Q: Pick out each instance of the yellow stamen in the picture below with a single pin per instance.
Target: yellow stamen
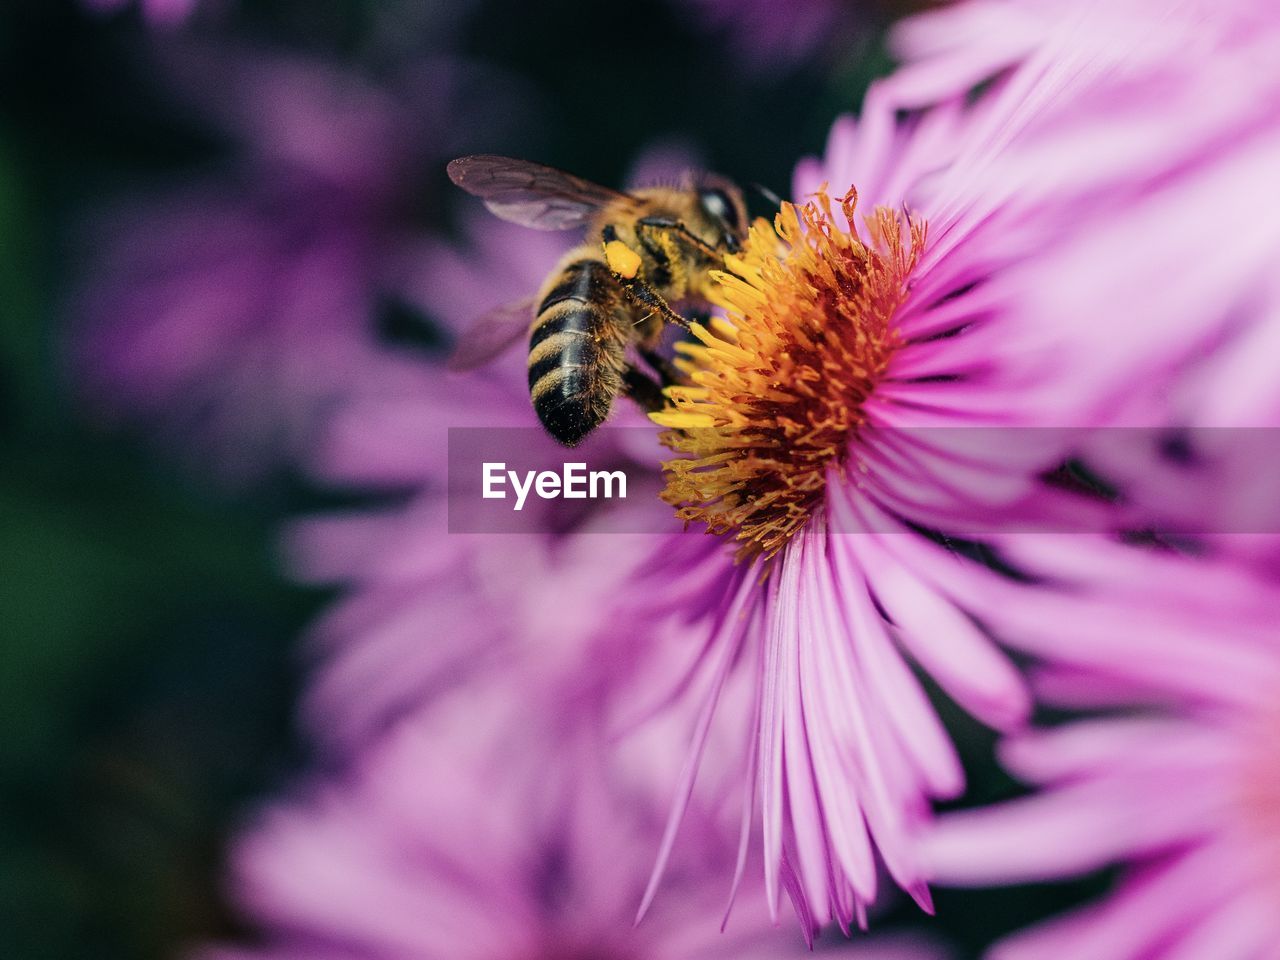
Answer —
(776, 392)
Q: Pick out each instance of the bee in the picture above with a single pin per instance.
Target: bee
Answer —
(642, 252)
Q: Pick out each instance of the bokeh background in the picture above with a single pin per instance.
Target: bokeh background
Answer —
(148, 667)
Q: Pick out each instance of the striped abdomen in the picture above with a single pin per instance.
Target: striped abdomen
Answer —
(577, 350)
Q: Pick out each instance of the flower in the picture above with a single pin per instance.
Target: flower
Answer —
(1175, 776)
(481, 830)
(1200, 467)
(775, 396)
(888, 372)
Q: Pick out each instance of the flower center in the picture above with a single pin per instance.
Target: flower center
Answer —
(776, 392)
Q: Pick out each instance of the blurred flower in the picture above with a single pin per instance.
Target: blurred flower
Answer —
(425, 609)
(479, 831)
(230, 322)
(232, 313)
(1179, 780)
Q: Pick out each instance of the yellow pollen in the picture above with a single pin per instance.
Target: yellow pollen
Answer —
(776, 392)
(622, 259)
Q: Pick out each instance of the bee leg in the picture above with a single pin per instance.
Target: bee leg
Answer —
(625, 264)
(664, 368)
(645, 296)
(643, 389)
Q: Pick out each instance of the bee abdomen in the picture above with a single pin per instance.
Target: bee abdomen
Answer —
(576, 351)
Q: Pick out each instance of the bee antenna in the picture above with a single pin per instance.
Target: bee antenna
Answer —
(768, 194)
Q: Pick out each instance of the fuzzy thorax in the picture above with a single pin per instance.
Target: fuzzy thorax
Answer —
(776, 392)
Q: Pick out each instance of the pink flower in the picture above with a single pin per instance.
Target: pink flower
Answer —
(1178, 780)
(1210, 134)
(484, 831)
(891, 370)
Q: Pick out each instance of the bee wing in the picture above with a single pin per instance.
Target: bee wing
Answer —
(529, 193)
(492, 334)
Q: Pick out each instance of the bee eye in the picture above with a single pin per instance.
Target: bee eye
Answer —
(719, 207)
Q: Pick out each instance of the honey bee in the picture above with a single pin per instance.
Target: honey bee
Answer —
(642, 252)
